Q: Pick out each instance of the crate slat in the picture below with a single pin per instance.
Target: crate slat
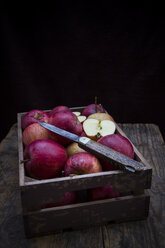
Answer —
(86, 214)
(47, 191)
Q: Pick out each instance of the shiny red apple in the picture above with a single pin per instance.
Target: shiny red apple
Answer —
(68, 198)
(33, 132)
(59, 109)
(83, 134)
(82, 163)
(44, 159)
(120, 144)
(93, 108)
(65, 120)
(34, 116)
(100, 193)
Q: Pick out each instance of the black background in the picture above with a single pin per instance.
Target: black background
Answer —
(67, 53)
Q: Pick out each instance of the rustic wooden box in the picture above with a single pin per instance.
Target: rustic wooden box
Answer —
(133, 205)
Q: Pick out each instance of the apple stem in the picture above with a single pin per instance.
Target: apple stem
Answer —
(24, 160)
(100, 107)
(38, 116)
(96, 103)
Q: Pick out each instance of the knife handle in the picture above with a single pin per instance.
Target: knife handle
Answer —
(110, 155)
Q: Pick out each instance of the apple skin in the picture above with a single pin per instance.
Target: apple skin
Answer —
(34, 116)
(67, 199)
(33, 132)
(82, 163)
(46, 159)
(101, 193)
(93, 108)
(83, 134)
(120, 144)
(59, 109)
(65, 120)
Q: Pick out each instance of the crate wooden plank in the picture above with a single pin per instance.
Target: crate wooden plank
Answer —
(52, 190)
(20, 151)
(86, 214)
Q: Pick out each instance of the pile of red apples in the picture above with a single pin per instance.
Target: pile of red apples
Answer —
(49, 155)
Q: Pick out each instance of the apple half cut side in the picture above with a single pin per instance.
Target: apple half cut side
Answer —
(76, 113)
(81, 118)
(96, 129)
(101, 116)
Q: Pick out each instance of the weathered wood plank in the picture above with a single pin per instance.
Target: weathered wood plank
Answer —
(148, 233)
(118, 209)
(143, 134)
(42, 192)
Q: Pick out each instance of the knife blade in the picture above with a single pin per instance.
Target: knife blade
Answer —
(121, 161)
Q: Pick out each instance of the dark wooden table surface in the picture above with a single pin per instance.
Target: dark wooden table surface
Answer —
(139, 234)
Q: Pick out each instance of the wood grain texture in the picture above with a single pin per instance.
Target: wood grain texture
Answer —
(41, 191)
(86, 214)
(136, 234)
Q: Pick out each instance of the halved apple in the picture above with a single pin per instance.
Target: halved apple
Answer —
(81, 118)
(101, 116)
(95, 129)
(76, 113)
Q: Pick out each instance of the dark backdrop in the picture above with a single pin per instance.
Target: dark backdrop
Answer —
(69, 53)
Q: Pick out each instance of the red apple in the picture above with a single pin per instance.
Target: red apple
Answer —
(59, 109)
(34, 116)
(120, 144)
(44, 159)
(33, 132)
(93, 108)
(83, 134)
(65, 120)
(101, 193)
(68, 198)
(82, 163)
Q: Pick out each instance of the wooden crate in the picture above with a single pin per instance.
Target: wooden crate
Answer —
(132, 205)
